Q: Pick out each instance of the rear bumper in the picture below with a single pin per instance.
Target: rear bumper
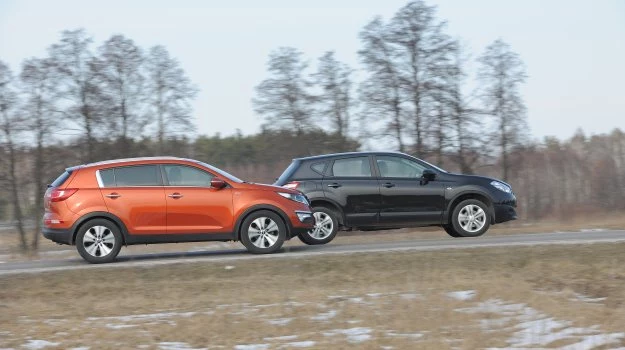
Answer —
(61, 236)
(504, 212)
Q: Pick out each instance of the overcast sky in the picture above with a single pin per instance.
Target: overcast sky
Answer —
(574, 50)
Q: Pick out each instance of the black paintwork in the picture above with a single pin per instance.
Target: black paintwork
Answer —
(377, 202)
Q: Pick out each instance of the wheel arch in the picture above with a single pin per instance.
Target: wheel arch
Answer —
(99, 215)
(249, 211)
(324, 202)
(481, 196)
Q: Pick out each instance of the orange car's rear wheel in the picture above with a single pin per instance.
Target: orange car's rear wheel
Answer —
(263, 232)
(98, 241)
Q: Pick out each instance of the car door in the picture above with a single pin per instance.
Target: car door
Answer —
(193, 206)
(351, 184)
(406, 199)
(135, 194)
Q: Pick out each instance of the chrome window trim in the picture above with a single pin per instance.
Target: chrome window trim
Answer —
(99, 178)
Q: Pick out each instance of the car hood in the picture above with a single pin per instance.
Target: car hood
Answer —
(265, 187)
(485, 179)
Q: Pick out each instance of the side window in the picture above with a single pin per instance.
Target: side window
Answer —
(399, 167)
(107, 176)
(140, 175)
(352, 167)
(318, 167)
(180, 175)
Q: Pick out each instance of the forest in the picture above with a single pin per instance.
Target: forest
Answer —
(411, 92)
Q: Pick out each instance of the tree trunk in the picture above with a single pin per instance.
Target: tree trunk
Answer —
(13, 183)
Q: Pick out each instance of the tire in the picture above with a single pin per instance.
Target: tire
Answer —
(263, 232)
(99, 241)
(470, 218)
(322, 233)
(450, 231)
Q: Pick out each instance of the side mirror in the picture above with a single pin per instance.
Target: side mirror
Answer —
(428, 175)
(218, 183)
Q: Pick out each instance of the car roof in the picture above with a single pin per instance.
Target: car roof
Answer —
(347, 154)
(127, 161)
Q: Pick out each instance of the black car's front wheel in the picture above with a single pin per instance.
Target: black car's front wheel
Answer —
(326, 227)
(470, 219)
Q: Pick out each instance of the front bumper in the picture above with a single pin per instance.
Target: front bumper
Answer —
(504, 212)
(61, 236)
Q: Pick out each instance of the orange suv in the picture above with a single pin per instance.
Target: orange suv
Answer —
(101, 206)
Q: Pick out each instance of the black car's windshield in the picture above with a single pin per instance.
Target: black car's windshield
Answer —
(221, 172)
(435, 167)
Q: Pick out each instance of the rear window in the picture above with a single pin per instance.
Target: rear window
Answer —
(61, 179)
(286, 175)
(138, 175)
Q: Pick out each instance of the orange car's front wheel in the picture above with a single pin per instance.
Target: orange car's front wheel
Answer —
(263, 232)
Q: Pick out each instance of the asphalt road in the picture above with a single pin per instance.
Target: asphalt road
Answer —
(10, 268)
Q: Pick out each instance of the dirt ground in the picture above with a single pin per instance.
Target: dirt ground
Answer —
(569, 297)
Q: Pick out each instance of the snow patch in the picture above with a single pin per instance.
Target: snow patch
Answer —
(174, 345)
(324, 316)
(462, 295)
(252, 347)
(280, 321)
(284, 337)
(229, 267)
(35, 344)
(301, 344)
(534, 328)
(354, 335)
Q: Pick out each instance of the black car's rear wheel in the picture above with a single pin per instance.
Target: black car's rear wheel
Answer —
(326, 227)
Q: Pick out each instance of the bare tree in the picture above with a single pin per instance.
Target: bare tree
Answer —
(170, 93)
(335, 99)
(38, 81)
(10, 125)
(284, 99)
(119, 69)
(75, 65)
(501, 74)
(423, 54)
(380, 92)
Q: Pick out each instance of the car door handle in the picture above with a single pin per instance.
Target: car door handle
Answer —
(389, 185)
(113, 195)
(334, 185)
(175, 195)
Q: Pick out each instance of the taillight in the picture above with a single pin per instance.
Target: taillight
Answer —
(57, 195)
(292, 185)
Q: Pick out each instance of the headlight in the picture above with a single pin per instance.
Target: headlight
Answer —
(295, 197)
(501, 186)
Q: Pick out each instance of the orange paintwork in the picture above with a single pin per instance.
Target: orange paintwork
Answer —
(150, 211)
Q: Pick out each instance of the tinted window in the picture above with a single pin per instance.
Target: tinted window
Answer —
(318, 167)
(179, 175)
(61, 179)
(287, 174)
(358, 166)
(108, 177)
(141, 175)
(399, 167)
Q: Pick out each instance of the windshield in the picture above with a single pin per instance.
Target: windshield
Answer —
(434, 166)
(221, 172)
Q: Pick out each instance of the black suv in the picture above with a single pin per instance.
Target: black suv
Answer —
(380, 190)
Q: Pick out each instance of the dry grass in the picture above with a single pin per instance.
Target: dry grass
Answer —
(340, 301)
